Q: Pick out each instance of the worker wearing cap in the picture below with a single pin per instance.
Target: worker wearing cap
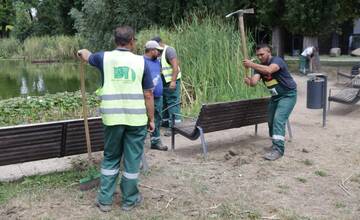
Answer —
(127, 106)
(152, 52)
(171, 75)
(274, 73)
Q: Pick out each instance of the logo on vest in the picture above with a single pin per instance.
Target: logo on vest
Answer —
(124, 73)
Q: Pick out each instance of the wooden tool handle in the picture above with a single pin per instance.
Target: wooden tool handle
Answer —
(84, 104)
(243, 42)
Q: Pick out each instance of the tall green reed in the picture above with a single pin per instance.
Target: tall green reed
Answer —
(10, 48)
(210, 55)
(52, 47)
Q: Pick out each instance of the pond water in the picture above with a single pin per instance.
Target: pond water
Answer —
(20, 78)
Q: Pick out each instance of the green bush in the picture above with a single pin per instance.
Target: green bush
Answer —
(10, 48)
(50, 107)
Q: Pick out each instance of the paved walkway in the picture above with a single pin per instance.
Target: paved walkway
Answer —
(345, 59)
(17, 171)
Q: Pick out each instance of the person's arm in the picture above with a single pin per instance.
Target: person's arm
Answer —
(84, 54)
(171, 57)
(262, 69)
(148, 87)
(253, 80)
(175, 71)
(149, 104)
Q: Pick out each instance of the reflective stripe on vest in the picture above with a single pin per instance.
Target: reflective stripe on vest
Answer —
(166, 68)
(122, 98)
(271, 83)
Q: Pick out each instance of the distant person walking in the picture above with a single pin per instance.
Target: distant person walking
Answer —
(127, 106)
(274, 73)
(152, 52)
(171, 76)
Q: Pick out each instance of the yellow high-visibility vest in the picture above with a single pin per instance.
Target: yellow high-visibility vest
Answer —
(122, 98)
(166, 68)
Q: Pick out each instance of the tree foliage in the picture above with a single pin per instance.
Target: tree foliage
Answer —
(23, 26)
(139, 14)
(311, 18)
(7, 14)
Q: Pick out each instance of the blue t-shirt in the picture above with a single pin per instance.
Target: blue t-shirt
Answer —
(97, 60)
(282, 75)
(155, 68)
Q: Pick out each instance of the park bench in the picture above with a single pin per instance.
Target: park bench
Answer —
(349, 96)
(23, 143)
(356, 82)
(353, 73)
(222, 116)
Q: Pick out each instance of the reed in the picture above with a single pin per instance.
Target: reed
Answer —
(209, 50)
(10, 48)
(51, 47)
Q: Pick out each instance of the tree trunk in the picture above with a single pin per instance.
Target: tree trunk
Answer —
(277, 41)
(334, 40)
(313, 42)
(3, 30)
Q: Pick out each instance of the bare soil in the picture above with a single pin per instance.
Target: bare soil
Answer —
(235, 182)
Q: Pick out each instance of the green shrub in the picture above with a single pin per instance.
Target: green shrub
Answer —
(9, 48)
(50, 107)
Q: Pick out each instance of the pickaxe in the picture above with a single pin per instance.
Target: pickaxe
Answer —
(240, 14)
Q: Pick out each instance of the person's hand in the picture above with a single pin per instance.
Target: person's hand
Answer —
(247, 80)
(151, 126)
(247, 63)
(79, 53)
(172, 85)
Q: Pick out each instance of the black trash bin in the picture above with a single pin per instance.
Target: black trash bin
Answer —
(315, 93)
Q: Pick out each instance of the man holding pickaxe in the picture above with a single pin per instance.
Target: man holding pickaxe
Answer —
(274, 73)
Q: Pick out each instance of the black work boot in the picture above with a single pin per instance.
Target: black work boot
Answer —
(159, 146)
(273, 155)
(138, 202)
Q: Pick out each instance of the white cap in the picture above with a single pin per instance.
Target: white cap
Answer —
(151, 44)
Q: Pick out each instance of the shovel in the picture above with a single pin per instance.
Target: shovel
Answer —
(93, 178)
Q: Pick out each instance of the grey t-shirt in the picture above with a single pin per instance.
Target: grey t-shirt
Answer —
(170, 54)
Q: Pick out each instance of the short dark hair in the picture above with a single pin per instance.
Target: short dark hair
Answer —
(261, 46)
(157, 39)
(123, 35)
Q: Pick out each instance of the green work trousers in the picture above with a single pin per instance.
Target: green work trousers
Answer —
(171, 100)
(126, 141)
(304, 65)
(279, 110)
(155, 136)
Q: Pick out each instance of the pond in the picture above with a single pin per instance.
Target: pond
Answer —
(20, 78)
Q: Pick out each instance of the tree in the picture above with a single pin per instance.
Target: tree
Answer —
(7, 14)
(270, 14)
(311, 18)
(139, 14)
(23, 26)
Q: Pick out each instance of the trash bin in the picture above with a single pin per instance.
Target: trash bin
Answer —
(315, 93)
(304, 65)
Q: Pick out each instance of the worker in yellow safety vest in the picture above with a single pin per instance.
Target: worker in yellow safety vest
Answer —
(127, 108)
(171, 76)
